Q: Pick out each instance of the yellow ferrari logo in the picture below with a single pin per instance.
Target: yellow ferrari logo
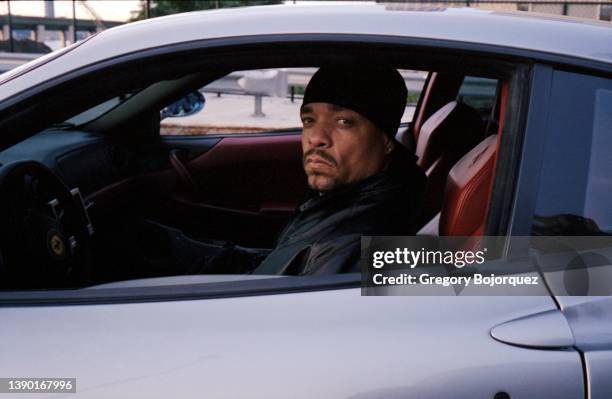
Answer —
(56, 244)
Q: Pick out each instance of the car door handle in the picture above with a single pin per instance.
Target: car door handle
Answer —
(549, 330)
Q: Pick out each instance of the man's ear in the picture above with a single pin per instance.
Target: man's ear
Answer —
(389, 145)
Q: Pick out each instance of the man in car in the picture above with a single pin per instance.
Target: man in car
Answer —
(362, 181)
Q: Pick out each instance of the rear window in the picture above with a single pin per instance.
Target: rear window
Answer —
(576, 180)
(478, 93)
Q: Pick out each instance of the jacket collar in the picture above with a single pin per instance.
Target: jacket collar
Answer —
(394, 175)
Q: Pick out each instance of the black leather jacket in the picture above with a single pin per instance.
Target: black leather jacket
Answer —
(324, 236)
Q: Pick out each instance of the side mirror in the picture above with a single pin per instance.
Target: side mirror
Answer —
(188, 105)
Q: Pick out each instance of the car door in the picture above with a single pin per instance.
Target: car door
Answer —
(263, 336)
(278, 336)
(332, 343)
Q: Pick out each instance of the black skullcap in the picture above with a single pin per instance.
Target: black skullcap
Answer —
(377, 93)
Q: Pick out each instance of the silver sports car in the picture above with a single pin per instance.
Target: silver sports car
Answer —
(124, 157)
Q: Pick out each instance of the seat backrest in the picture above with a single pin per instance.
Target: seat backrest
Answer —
(455, 128)
(439, 89)
(444, 138)
(468, 189)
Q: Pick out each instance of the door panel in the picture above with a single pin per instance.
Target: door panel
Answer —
(248, 186)
(331, 344)
(249, 171)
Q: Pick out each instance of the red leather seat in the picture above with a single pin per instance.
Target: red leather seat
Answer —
(443, 139)
(468, 190)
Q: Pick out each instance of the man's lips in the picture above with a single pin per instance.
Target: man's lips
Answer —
(319, 158)
(315, 160)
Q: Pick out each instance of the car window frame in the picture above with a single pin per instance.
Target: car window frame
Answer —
(515, 159)
(528, 173)
(281, 285)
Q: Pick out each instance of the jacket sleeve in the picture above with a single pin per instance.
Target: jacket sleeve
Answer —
(338, 255)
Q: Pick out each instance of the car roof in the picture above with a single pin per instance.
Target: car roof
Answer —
(537, 33)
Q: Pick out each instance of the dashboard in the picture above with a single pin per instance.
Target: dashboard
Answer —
(80, 159)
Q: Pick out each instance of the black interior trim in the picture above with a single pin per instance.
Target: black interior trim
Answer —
(534, 138)
(231, 289)
(509, 154)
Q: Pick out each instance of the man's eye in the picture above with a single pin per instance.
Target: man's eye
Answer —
(306, 120)
(345, 122)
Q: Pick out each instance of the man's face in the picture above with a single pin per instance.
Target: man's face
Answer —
(340, 146)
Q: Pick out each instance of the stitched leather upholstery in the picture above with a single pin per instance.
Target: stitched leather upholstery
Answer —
(468, 188)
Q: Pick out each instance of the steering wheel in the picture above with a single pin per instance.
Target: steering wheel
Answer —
(44, 230)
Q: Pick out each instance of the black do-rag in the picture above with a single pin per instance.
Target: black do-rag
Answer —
(377, 93)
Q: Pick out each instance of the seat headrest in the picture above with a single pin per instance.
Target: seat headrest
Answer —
(456, 127)
(468, 188)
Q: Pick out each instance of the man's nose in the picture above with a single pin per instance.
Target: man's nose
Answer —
(319, 136)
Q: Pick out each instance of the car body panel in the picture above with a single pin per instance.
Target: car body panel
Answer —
(332, 344)
(598, 365)
(590, 318)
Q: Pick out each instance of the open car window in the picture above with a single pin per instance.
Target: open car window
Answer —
(170, 199)
(261, 100)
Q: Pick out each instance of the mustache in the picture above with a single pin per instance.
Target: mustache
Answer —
(322, 154)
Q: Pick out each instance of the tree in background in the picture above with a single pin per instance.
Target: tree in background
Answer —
(167, 7)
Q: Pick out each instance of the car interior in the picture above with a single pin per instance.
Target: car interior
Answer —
(96, 184)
